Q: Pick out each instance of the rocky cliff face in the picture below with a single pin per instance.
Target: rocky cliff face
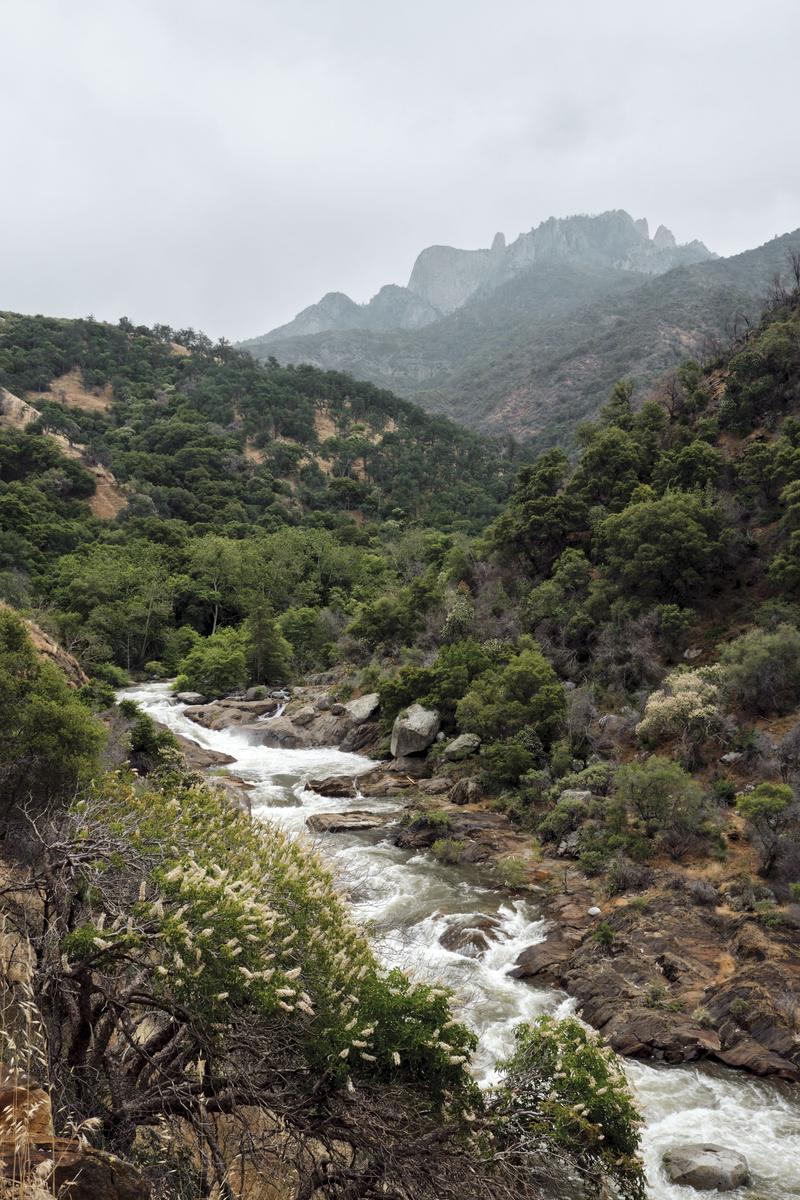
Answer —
(447, 278)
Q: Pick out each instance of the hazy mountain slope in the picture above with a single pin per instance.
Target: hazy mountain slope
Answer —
(535, 353)
(559, 368)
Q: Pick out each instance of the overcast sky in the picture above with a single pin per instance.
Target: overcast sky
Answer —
(223, 164)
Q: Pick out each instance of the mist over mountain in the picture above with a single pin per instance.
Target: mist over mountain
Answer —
(527, 337)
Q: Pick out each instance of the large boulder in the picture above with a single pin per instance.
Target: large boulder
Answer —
(304, 716)
(461, 747)
(414, 730)
(190, 698)
(575, 796)
(362, 708)
(707, 1167)
(543, 958)
(359, 736)
(199, 757)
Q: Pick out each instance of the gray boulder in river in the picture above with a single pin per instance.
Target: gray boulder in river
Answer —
(707, 1167)
(414, 730)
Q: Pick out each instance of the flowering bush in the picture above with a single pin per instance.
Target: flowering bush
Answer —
(563, 1088)
(234, 915)
(685, 706)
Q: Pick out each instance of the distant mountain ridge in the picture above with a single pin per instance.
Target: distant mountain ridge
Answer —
(444, 278)
(527, 338)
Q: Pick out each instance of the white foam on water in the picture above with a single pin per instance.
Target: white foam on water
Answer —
(409, 900)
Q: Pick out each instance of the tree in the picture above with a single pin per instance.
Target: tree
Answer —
(663, 550)
(268, 652)
(609, 469)
(217, 664)
(221, 569)
(122, 595)
(540, 518)
(506, 699)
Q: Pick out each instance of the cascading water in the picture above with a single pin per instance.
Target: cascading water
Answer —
(408, 901)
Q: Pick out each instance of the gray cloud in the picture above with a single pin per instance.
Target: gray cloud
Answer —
(223, 164)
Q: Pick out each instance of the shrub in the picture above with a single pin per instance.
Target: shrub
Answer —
(724, 789)
(605, 935)
(761, 670)
(439, 686)
(507, 761)
(235, 934)
(666, 802)
(569, 1090)
(566, 816)
(448, 850)
(111, 674)
(626, 876)
(773, 816)
(511, 871)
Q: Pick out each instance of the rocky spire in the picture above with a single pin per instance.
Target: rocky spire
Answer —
(664, 239)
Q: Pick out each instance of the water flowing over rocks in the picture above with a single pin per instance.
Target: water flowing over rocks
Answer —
(683, 960)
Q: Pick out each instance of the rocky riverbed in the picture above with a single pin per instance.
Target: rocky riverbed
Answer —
(674, 973)
(507, 951)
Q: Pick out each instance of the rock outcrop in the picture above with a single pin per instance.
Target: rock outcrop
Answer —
(48, 648)
(674, 983)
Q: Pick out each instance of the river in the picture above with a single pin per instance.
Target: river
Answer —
(407, 900)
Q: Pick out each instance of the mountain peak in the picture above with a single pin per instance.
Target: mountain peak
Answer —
(664, 239)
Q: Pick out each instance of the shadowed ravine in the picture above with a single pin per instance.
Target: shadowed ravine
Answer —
(408, 899)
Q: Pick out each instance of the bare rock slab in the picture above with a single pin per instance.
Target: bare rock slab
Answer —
(345, 822)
